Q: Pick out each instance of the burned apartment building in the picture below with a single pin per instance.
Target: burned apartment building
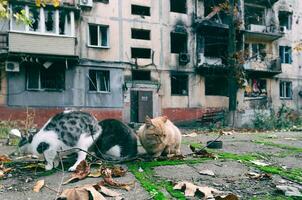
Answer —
(127, 59)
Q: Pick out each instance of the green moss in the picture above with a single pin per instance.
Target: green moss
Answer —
(274, 197)
(281, 146)
(174, 193)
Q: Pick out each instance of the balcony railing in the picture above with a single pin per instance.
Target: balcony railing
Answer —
(266, 67)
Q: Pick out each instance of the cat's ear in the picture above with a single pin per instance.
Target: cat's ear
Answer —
(148, 121)
(164, 119)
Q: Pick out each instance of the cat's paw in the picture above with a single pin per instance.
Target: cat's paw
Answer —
(72, 168)
(48, 167)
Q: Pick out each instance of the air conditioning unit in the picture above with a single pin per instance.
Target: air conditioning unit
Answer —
(12, 66)
(184, 58)
(86, 3)
(257, 28)
(283, 29)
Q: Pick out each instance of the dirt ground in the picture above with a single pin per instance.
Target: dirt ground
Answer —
(282, 150)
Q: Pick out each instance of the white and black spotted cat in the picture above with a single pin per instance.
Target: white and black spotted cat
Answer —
(76, 129)
(64, 131)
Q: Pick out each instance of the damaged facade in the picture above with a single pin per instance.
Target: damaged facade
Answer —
(127, 59)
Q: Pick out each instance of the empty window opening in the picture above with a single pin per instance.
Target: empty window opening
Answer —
(140, 53)
(216, 86)
(140, 34)
(216, 47)
(179, 42)
(141, 75)
(98, 35)
(179, 6)
(286, 89)
(285, 53)
(285, 20)
(140, 10)
(40, 78)
(179, 84)
(255, 88)
(99, 80)
(254, 15)
(255, 51)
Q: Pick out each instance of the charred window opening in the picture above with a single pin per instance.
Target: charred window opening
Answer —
(178, 6)
(285, 20)
(99, 81)
(285, 54)
(179, 42)
(140, 53)
(40, 78)
(140, 34)
(216, 86)
(285, 89)
(255, 88)
(140, 10)
(141, 75)
(179, 84)
(216, 15)
(216, 47)
(254, 15)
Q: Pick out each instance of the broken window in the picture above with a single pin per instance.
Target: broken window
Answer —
(64, 22)
(15, 24)
(179, 6)
(141, 75)
(285, 20)
(98, 35)
(40, 78)
(140, 53)
(285, 53)
(34, 16)
(99, 80)
(50, 21)
(216, 47)
(140, 34)
(255, 88)
(216, 86)
(255, 51)
(285, 89)
(254, 15)
(179, 42)
(140, 10)
(179, 84)
(214, 13)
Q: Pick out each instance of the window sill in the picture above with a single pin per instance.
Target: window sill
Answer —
(44, 90)
(41, 34)
(286, 98)
(179, 95)
(254, 98)
(181, 13)
(98, 92)
(98, 47)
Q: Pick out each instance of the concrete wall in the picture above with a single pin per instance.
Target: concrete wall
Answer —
(3, 88)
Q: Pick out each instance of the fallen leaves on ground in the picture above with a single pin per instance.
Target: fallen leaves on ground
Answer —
(4, 170)
(202, 153)
(117, 171)
(108, 180)
(83, 192)
(81, 172)
(39, 185)
(5, 158)
(192, 190)
(257, 176)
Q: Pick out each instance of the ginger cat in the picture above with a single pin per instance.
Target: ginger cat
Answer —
(159, 136)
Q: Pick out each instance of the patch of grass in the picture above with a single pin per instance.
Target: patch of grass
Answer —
(281, 146)
(241, 157)
(174, 193)
(274, 197)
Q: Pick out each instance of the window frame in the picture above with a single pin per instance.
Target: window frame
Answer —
(133, 30)
(98, 81)
(174, 11)
(42, 27)
(98, 36)
(283, 90)
(141, 14)
(181, 78)
(175, 36)
(285, 51)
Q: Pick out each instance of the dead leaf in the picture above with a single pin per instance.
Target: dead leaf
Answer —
(207, 172)
(257, 176)
(107, 192)
(118, 171)
(5, 158)
(193, 134)
(39, 185)
(191, 190)
(95, 174)
(108, 180)
(1, 174)
(227, 197)
(81, 172)
(4, 170)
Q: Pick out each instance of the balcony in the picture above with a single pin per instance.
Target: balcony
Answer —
(41, 44)
(263, 68)
(207, 65)
(262, 32)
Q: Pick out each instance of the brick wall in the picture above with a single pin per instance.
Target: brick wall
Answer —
(186, 114)
(43, 114)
